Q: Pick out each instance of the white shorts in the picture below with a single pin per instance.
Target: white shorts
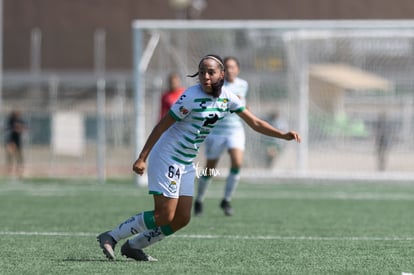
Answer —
(216, 144)
(169, 178)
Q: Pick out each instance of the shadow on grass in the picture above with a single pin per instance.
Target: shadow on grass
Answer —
(92, 260)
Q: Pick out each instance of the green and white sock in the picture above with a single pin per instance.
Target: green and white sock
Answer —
(231, 183)
(203, 183)
(134, 225)
(150, 236)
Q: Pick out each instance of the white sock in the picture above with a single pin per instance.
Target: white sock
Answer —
(203, 183)
(231, 183)
(147, 238)
(131, 226)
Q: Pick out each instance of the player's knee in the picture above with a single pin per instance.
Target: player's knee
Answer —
(163, 218)
(236, 164)
(186, 219)
(181, 221)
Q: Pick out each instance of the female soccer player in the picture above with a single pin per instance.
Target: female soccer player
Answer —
(227, 135)
(169, 153)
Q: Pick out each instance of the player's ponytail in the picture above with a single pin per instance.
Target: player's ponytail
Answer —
(216, 87)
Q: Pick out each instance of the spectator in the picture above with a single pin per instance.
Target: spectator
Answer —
(15, 126)
(383, 140)
(273, 146)
(170, 96)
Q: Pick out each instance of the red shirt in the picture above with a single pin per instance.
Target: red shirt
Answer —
(168, 99)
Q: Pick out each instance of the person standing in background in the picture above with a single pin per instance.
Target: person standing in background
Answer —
(383, 140)
(170, 96)
(273, 146)
(227, 135)
(15, 126)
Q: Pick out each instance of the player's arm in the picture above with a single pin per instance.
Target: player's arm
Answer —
(165, 123)
(265, 128)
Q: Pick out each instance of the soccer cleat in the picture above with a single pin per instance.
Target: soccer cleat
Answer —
(225, 205)
(136, 254)
(107, 243)
(198, 208)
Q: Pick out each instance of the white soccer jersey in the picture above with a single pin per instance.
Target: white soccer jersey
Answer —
(197, 113)
(232, 122)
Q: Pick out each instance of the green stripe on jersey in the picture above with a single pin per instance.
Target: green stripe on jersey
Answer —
(241, 109)
(186, 147)
(190, 140)
(185, 154)
(174, 115)
(181, 161)
(200, 139)
(200, 110)
(196, 126)
(197, 118)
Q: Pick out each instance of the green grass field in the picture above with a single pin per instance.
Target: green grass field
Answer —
(49, 227)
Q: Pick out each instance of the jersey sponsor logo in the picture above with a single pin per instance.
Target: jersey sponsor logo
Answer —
(223, 105)
(183, 110)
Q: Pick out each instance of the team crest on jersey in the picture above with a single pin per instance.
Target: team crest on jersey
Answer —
(172, 187)
(183, 110)
(223, 105)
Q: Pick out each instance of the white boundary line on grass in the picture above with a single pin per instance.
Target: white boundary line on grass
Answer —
(234, 237)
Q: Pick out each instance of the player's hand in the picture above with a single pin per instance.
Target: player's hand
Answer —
(139, 166)
(292, 135)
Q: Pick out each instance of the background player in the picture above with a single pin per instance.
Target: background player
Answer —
(227, 135)
(170, 96)
(14, 152)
